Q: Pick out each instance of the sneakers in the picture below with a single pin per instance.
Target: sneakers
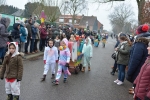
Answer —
(55, 82)
(119, 83)
(116, 81)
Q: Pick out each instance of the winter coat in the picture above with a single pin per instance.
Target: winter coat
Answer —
(28, 26)
(38, 34)
(57, 43)
(138, 55)
(87, 49)
(51, 54)
(13, 69)
(142, 81)
(123, 53)
(23, 37)
(34, 32)
(43, 33)
(3, 32)
(16, 32)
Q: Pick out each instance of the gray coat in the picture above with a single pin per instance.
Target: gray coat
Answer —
(3, 32)
(123, 54)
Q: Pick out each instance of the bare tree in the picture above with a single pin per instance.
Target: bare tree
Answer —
(121, 16)
(50, 7)
(2, 2)
(140, 4)
(76, 7)
(146, 13)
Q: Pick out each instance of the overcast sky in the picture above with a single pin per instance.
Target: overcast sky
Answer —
(101, 13)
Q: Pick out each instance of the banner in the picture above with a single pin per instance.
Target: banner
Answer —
(19, 19)
(74, 51)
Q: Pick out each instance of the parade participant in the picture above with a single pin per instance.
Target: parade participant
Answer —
(96, 41)
(50, 58)
(122, 59)
(64, 60)
(87, 51)
(12, 71)
(104, 40)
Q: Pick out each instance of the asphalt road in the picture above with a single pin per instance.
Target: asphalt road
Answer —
(94, 85)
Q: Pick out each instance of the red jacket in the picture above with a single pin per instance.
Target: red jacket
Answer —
(142, 81)
(43, 33)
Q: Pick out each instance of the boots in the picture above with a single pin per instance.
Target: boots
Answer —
(65, 80)
(53, 76)
(43, 79)
(9, 97)
(16, 98)
(89, 69)
(83, 69)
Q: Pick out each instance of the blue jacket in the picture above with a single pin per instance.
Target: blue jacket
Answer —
(138, 55)
(34, 32)
(23, 37)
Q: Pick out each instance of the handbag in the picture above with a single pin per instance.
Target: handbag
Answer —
(114, 56)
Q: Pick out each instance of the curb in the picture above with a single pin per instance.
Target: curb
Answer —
(29, 56)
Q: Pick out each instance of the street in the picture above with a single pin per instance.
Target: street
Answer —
(94, 85)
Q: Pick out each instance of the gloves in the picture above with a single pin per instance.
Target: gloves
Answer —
(18, 80)
(2, 78)
(56, 61)
(146, 98)
(44, 61)
(67, 65)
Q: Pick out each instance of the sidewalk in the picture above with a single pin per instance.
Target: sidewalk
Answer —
(29, 56)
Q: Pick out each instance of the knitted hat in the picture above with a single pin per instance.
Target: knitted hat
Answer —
(142, 29)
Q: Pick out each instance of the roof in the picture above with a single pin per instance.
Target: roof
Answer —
(99, 24)
(90, 19)
(70, 16)
(18, 13)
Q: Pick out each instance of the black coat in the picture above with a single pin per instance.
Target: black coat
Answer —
(16, 32)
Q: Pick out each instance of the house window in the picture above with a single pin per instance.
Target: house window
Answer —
(70, 20)
(75, 21)
(61, 20)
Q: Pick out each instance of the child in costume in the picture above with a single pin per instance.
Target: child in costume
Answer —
(50, 58)
(96, 41)
(87, 51)
(12, 71)
(64, 60)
